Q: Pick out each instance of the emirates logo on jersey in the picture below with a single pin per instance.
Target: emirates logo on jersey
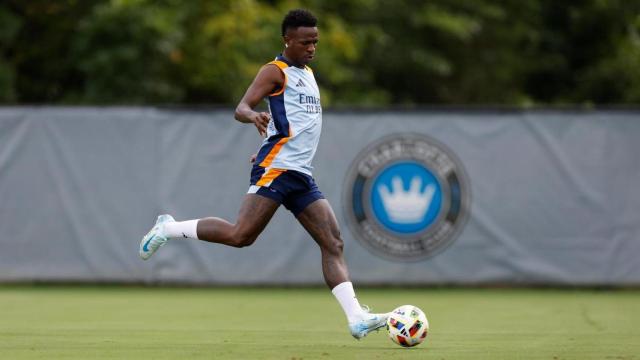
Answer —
(308, 99)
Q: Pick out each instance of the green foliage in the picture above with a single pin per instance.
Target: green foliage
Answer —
(9, 26)
(587, 53)
(614, 76)
(123, 49)
(228, 43)
(371, 52)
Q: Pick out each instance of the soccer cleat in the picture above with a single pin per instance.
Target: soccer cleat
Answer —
(155, 238)
(367, 323)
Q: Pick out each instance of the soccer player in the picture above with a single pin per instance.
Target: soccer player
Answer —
(281, 172)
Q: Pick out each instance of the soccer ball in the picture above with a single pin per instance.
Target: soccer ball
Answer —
(407, 325)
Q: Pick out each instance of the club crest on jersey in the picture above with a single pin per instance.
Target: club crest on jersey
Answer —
(406, 197)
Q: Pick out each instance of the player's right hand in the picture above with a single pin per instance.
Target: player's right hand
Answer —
(261, 120)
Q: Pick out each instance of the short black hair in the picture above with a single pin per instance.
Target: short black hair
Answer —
(296, 18)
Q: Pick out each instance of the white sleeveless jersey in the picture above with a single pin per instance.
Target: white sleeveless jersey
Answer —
(296, 120)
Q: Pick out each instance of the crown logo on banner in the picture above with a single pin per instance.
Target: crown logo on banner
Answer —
(406, 207)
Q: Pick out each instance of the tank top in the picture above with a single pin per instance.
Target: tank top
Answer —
(296, 120)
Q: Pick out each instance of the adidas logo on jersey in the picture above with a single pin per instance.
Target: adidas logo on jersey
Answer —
(300, 83)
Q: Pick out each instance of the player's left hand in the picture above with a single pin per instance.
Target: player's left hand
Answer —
(253, 157)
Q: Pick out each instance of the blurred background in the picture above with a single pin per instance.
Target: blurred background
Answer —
(117, 111)
(521, 117)
(372, 52)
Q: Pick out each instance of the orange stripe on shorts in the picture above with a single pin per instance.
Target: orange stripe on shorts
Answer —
(271, 175)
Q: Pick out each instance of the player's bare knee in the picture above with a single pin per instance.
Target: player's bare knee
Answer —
(335, 232)
(243, 239)
(334, 246)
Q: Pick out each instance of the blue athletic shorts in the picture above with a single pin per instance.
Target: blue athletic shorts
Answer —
(293, 189)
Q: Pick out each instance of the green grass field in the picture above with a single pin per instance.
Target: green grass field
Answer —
(47, 322)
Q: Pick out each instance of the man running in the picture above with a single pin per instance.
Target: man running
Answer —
(281, 172)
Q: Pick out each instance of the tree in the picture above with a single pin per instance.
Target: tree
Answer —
(371, 52)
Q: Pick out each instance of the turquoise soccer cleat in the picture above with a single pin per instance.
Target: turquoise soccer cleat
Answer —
(155, 238)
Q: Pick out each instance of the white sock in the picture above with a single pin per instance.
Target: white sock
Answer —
(182, 229)
(347, 299)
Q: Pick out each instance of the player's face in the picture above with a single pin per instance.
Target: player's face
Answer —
(301, 44)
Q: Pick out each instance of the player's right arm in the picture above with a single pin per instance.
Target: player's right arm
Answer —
(269, 79)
